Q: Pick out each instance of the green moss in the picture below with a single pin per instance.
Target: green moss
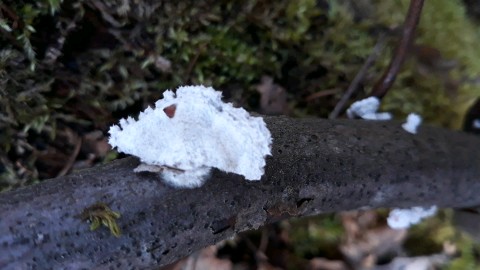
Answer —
(306, 46)
(226, 44)
(441, 97)
(468, 259)
(430, 235)
(316, 237)
(100, 214)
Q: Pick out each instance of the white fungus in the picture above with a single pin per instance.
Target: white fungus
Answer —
(413, 121)
(191, 131)
(367, 109)
(476, 124)
(404, 218)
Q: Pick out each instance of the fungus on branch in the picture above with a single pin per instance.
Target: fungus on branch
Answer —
(413, 122)
(404, 218)
(191, 131)
(367, 109)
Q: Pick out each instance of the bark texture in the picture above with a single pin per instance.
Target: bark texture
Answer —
(317, 166)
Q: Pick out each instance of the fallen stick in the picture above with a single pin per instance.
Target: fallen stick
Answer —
(318, 166)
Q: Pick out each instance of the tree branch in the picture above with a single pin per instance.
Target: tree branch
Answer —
(382, 86)
(318, 166)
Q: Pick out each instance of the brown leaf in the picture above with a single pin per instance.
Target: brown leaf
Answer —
(204, 259)
(95, 143)
(163, 64)
(374, 244)
(356, 223)
(325, 264)
(367, 238)
(58, 156)
(273, 97)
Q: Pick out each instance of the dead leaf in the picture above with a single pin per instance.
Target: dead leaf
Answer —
(273, 99)
(324, 264)
(367, 239)
(95, 143)
(375, 243)
(266, 266)
(356, 223)
(163, 64)
(204, 259)
(431, 62)
(431, 59)
(58, 156)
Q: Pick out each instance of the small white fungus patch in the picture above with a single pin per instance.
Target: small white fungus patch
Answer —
(413, 122)
(404, 218)
(367, 109)
(192, 131)
(476, 123)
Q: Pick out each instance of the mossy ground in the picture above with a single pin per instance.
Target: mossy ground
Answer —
(69, 69)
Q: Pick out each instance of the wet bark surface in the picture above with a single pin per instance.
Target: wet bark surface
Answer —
(317, 166)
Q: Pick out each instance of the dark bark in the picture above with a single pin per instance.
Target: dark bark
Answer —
(318, 166)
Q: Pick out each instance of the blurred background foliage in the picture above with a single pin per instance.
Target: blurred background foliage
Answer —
(69, 69)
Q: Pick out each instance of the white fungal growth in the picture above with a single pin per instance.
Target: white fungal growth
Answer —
(367, 109)
(404, 218)
(476, 124)
(192, 131)
(413, 122)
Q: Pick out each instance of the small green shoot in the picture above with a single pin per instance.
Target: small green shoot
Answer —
(100, 214)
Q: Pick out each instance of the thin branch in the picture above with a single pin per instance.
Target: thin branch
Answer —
(358, 78)
(193, 62)
(322, 93)
(382, 86)
(317, 166)
(73, 156)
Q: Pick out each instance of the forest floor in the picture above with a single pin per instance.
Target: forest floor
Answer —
(70, 70)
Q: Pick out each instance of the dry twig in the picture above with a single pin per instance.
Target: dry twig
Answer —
(358, 78)
(382, 86)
